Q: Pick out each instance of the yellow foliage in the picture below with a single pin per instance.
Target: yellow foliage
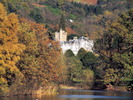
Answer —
(3, 13)
(10, 49)
(107, 13)
(2, 71)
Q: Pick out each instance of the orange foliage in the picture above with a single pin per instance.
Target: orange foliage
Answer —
(10, 49)
(49, 59)
(70, 31)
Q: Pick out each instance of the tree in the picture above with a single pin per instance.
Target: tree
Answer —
(10, 51)
(71, 36)
(69, 53)
(42, 61)
(36, 15)
(116, 48)
(74, 69)
(62, 23)
(29, 62)
(89, 60)
(61, 4)
(88, 77)
(98, 10)
(81, 53)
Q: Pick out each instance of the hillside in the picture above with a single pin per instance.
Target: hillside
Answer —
(32, 62)
(87, 19)
(89, 2)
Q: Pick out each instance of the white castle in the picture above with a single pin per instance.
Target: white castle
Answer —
(75, 44)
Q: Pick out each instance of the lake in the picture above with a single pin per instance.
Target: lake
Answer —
(76, 94)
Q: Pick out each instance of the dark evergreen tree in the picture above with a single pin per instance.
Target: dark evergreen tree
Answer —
(62, 23)
(71, 36)
(89, 60)
(98, 10)
(81, 53)
(69, 53)
(36, 15)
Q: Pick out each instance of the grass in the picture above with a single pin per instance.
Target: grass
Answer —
(55, 11)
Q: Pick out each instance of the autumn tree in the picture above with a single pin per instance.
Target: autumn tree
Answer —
(116, 49)
(29, 62)
(10, 50)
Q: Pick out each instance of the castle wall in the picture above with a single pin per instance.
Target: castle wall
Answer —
(76, 44)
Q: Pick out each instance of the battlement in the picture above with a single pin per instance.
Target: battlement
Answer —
(76, 44)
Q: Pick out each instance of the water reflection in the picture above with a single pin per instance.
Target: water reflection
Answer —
(95, 95)
(73, 94)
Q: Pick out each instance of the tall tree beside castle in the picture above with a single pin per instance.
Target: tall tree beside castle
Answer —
(62, 22)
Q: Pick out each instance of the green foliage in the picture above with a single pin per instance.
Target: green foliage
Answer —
(98, 10)
(11, 7)
(77, 74)
(55, 11)
(36, 15)
(62, 23)
(89, 60)
(81, 53)
(88, 77)
(74, 68)
(69, 53)
(71, 36)
(72, 16)
(115, 47)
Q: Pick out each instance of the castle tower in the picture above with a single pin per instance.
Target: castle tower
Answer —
(61, 35)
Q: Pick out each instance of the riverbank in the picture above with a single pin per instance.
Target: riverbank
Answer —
(50, 90)
(23, 91)
(63, 86)
(67, 86)
(106, 88)
(116, 88)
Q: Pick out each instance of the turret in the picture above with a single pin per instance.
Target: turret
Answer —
(61, 35)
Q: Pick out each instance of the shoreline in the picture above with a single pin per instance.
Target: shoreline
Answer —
(53, 90)
(109, 88)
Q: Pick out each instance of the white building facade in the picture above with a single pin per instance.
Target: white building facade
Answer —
(76, 44)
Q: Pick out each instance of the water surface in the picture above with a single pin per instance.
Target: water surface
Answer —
(75, 94)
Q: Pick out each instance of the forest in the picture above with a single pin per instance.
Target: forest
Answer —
(32, 61)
